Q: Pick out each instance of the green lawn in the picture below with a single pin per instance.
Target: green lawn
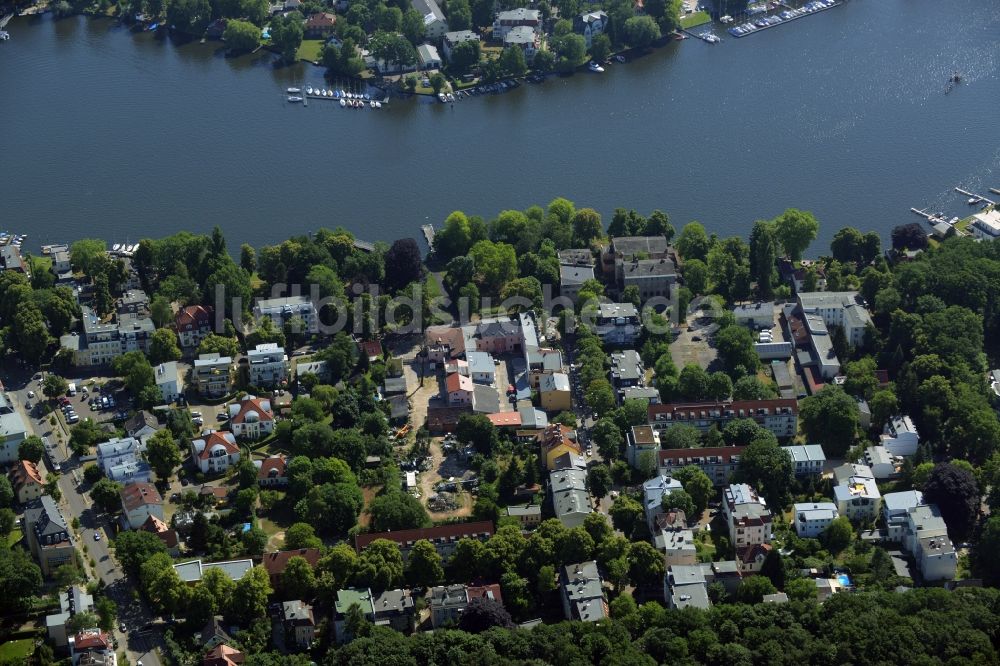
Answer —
(309, 50)
(12, 651)
(696, 19)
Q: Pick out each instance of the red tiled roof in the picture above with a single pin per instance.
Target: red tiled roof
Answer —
(276, 562)
(750, 407)
(505, 419)
(25, 472)
(135, 495)
(217, 437)
(372, 348)
(320, 20)
(748, 554)
(91, 640)
(273, 463)
(452, 531)
(260, 405)
(156, 526)
(476, 591)
(457, 382)
(193, 316)
(725, 453)
(222, 655)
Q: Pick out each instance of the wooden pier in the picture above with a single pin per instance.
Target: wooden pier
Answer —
(979, 198)
(428, 231)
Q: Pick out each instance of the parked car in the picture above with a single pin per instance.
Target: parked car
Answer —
(31, 394)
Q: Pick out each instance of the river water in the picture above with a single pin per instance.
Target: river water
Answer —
(112, 134)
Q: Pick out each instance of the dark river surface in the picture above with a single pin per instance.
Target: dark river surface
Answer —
(123, 136)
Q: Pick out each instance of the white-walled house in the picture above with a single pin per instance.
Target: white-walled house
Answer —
(167, 381)
(857, 495)
(653, 492)
(268, 365)
(139, 502)
(895, 512)
(748, 519)
(812, 518)
(117, 451)
(926, 538)
(215, 452)
(900, 437)
(251, 417)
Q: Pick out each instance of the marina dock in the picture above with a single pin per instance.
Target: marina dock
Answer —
(428, 230)
(978, 197)
(787, 16)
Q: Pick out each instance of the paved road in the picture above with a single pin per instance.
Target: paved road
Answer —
(75, 504)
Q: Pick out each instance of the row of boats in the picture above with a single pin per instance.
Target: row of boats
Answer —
(124, 249)
(347, 98)
(16, 239)
(789, 14)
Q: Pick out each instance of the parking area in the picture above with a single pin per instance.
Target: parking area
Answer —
(693, 344)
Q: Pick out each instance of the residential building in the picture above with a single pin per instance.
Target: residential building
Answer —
(513, 18)
(268, 365)
(191, 572)
(92, 647)
(102, 342)
(26, 480)
(648, 394)
(251, 417)
(300, 625)
(677, 546)
(139, 502)
(844, 472)
(751, 559)
(576, 256)
(428, 57)
(272, 472)
(554, 392)
(570, 500)
(13, 431)
(757, 316)
(117, 451)
(443, 537)
(618, 324)
(797, 276)
(627, 371)
(812, 518)
(482, 369)
(926, 538)
(276, 562)
(319, 368)
(748, 520)
(223, 654)
(776, 598)
(900, 437)
(642, 442)
(11, 260)
(652, 277)
(459, 389)
(164, 533)
(555, 441)
(215, 452)
(61, 261)
(728, 573)
(435, 24)
(319, 26)
(582, 591)
(213, 634)
(827, 587)
(807, 460)
(72, 600)
(193, 324)
(653, 492)
(779, 415)
(167, 381)
(133, 302)
(719, 463)
(392, 608)
(895, 512)
(133, 471)
(529, 516)
(447, 603)
(142, 426)
(625, 249)
(882, 464)
(454, 38)
(857, 496)
(986, 225)
(524, 38)
(572, 277)
(590, 24)
(213, 375)
(685, 585)
(47, 535)
(838, 308)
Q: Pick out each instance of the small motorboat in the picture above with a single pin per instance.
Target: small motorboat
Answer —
(451, 98)
(343, 102)
(442, 97)
(329, 93)
(378, 105)
(594, 67)
(294, 98)
(371, 103)
(619, 58)
(294, 91)
(309, 90)
(116, 247)
(972, 201)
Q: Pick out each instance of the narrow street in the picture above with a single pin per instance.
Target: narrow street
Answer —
(132, 612)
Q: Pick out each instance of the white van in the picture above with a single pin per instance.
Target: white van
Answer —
(72, 389)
